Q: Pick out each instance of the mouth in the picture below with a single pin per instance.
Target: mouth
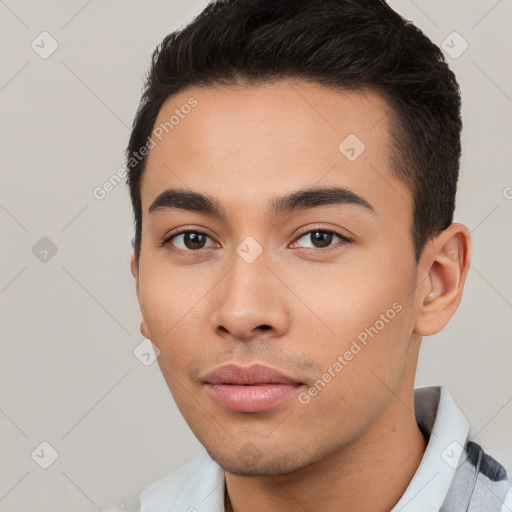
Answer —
(249, 389)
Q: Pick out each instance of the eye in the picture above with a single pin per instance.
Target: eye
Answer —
(188, 241)
(321, 238)
(192, 241)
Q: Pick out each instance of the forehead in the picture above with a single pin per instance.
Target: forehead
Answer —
(245, 145)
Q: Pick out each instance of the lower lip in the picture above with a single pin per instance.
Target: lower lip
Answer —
(252, 398)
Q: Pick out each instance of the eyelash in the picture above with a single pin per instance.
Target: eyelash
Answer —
(189, 252)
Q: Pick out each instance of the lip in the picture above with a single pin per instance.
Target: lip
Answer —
(248, 375)
(249, 389)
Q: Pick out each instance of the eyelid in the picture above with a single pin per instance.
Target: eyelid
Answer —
(345, 238)
(326, 229)
(180, 231)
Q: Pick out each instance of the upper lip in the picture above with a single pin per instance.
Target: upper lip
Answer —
(246, 375)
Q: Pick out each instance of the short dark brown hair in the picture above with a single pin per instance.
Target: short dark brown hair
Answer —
(345, 44)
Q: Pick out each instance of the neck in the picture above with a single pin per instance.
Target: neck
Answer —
(371, 473)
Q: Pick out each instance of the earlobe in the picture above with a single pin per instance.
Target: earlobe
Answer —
(447, 264)
(144, 330)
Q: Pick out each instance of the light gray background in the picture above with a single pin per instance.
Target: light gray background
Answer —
(69, 326)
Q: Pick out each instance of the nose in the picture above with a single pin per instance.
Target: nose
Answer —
(250, 301)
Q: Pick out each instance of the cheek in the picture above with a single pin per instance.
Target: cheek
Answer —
(172, 314)
(366, 319)
(361, 364)
(166, 295)
(350, 299)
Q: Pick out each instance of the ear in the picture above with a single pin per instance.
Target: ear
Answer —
(444, 267)
(134, 267)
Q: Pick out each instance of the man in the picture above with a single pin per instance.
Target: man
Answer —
(293, 169)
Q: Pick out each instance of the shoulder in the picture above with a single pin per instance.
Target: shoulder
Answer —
(480, 482)
(191, 483)
(128, 505)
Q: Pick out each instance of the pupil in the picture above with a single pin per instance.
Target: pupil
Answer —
(193, 240)
(324, 239)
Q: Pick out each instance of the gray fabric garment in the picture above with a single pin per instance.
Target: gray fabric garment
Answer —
(479, 485)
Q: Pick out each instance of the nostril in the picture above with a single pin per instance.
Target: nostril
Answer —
(265, 327)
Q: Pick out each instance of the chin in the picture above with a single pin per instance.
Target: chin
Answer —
(249, 461)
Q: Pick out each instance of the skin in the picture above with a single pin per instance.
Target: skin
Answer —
(356, 442)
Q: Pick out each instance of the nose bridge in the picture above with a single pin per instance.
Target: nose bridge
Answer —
(248, 297)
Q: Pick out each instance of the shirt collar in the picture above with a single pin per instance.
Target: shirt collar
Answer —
(440, 418)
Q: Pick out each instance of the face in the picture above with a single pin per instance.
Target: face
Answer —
(319, 286)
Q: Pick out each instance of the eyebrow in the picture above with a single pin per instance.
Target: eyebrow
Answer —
(300, 200)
